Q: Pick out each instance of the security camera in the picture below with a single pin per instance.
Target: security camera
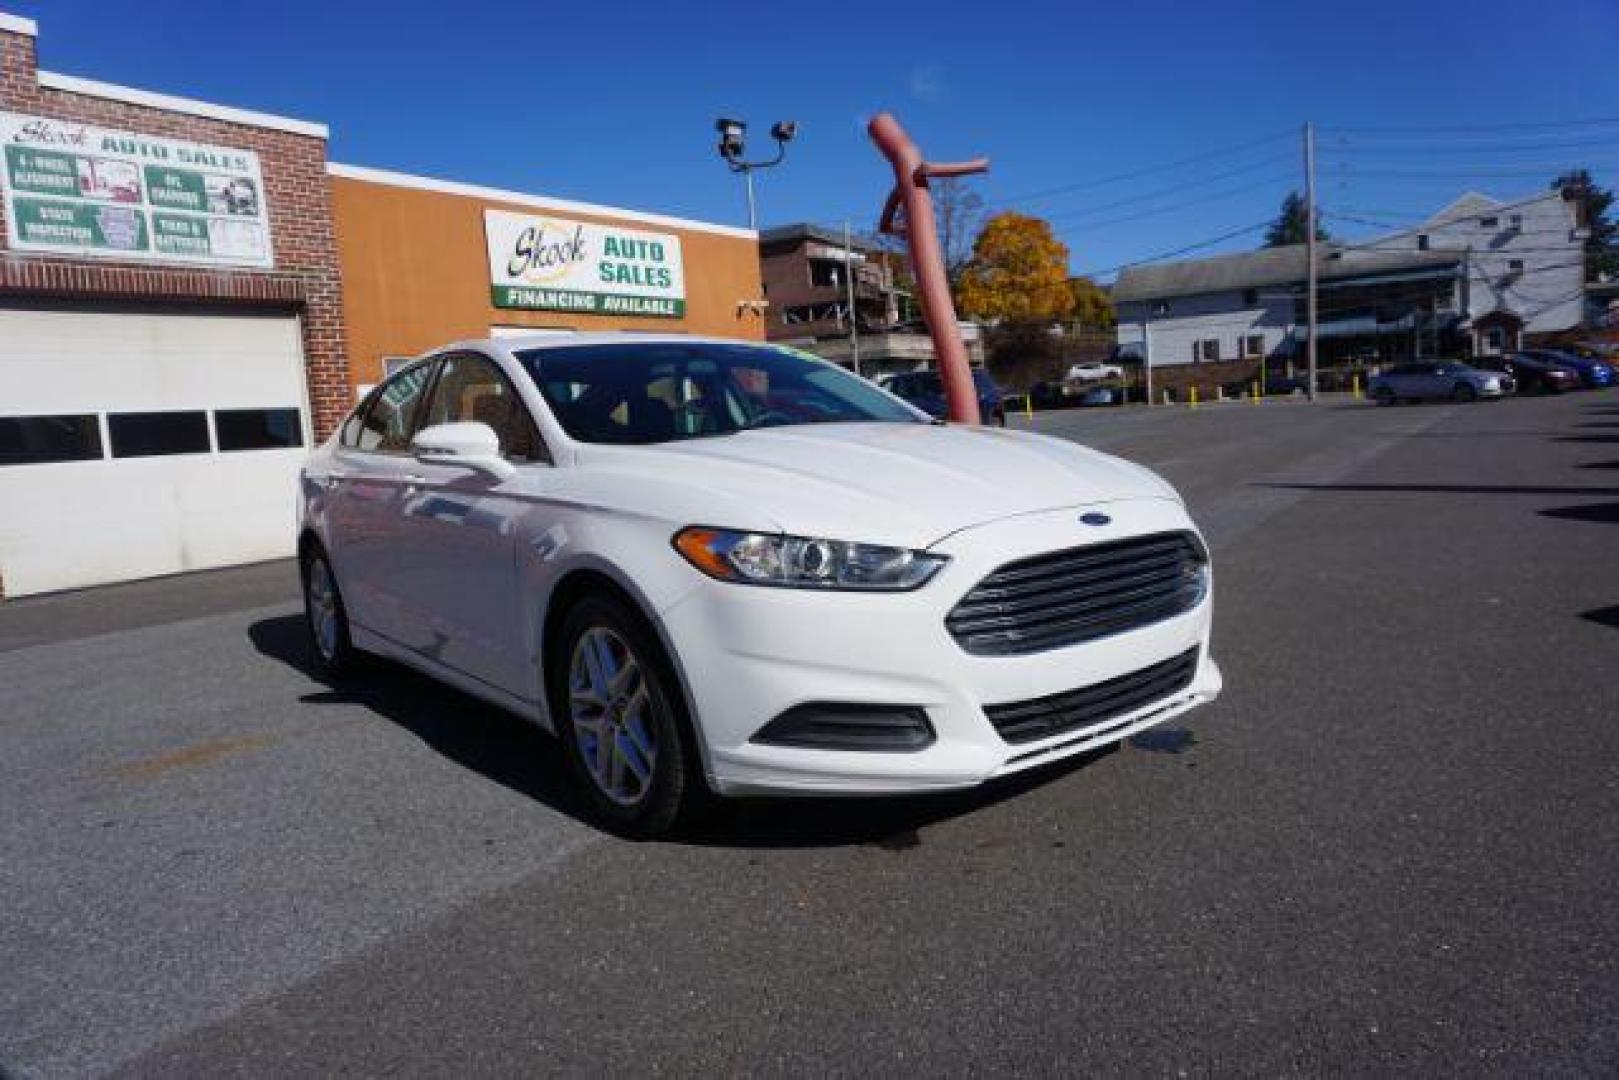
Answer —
(784, 130)
(731, 136)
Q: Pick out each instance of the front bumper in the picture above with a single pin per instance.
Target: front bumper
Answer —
(748, 654)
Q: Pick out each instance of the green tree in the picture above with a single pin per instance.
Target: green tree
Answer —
(1594, 205)
(1093, 307)
(1291, 226)
(1018, 273)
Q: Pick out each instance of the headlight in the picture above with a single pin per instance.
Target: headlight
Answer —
(802, 562)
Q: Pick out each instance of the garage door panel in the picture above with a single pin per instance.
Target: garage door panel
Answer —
(70, 524)
(55, 359)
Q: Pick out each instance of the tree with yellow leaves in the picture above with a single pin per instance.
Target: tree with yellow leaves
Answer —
(1018, 274)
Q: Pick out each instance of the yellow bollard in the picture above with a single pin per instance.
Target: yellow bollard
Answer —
(1028, 405)
(1354, 385)
(1193, 403)
(1253, 394)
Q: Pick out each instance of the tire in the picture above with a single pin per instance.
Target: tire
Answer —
(325, 616)
(1000, 417)
(608, 668)
(1464, 392)
(1384, 396)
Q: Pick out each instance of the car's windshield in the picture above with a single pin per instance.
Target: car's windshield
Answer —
(633, 393)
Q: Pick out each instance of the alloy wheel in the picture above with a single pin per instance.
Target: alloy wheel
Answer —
(610, 705)
(323, 609)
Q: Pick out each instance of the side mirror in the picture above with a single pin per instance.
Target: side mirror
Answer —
(469, 444)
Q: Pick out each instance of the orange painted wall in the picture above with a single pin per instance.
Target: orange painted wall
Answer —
(416, 275)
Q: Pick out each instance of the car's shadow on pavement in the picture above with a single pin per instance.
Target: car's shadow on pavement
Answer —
(520, 756)
(469, 732)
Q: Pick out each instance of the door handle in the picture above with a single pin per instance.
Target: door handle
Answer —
(414, 479)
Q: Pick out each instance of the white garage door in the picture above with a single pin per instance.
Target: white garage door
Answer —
(134, 444)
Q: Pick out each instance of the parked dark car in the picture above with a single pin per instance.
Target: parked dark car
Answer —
(1276, 385)
(1594, 373)
(1533, 376)
(925, 390)
(1429, 380)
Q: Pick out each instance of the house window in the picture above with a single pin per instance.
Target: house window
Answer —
(1493, 340)
(824, 273)
(1250, 298)
(1422, 241)
(1514, 266)
(1515, 221)
(1489, 223)
(1207, 349)
(1253, 346)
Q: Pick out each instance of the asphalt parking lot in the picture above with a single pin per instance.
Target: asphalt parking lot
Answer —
(1389, 847)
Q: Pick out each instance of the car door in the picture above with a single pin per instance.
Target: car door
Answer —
(456, 564)
(1423, 381)
(368, 478)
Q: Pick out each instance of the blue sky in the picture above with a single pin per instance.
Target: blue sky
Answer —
(614, 102)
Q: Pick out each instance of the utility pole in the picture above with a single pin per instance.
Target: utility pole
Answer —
(1146, 349)
(1309, 254)
(848, 277)
(753, 213)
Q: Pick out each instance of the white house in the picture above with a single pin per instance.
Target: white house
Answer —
(1475, 277)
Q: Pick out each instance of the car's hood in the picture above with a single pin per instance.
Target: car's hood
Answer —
(903, 484)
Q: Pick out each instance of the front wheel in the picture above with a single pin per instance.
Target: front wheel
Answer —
(620, 715)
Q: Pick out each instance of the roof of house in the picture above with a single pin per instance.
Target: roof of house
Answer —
(1469, 205)
(1268, 267)
(785, 235)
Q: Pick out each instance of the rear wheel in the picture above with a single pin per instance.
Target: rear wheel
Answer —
(619, 712)
(1383, 396)
(325, 615)
(1464, 392)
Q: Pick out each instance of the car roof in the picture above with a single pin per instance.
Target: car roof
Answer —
(554, 340)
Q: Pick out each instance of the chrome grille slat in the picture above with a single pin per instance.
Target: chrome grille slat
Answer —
(1105, 555)
(1094, 705)
(1168, 559)
(1065, 597)
(1053, 608)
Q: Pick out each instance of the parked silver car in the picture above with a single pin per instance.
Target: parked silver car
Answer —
(1438, 379)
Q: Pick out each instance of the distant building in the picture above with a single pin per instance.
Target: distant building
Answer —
(1474, 279)
(806, 271)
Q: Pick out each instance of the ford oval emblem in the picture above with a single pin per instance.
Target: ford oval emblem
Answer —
(1095, 517)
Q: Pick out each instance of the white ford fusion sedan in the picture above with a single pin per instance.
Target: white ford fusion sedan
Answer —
(726, 566)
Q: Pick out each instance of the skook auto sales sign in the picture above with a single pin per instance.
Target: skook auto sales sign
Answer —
(554, 264)
(75, 189)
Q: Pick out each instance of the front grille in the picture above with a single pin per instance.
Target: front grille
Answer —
(1038, 718)
(1065, 597)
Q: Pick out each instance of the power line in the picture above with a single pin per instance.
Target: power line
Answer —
(1134, 174)
(1346, 170)
(1198, 246)
(1345, 146)
(1425, 129)
(1200, 182)
(1161, 210)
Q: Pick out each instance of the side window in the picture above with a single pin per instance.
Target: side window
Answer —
(390, 419)
(473, 388)
(350, 435)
